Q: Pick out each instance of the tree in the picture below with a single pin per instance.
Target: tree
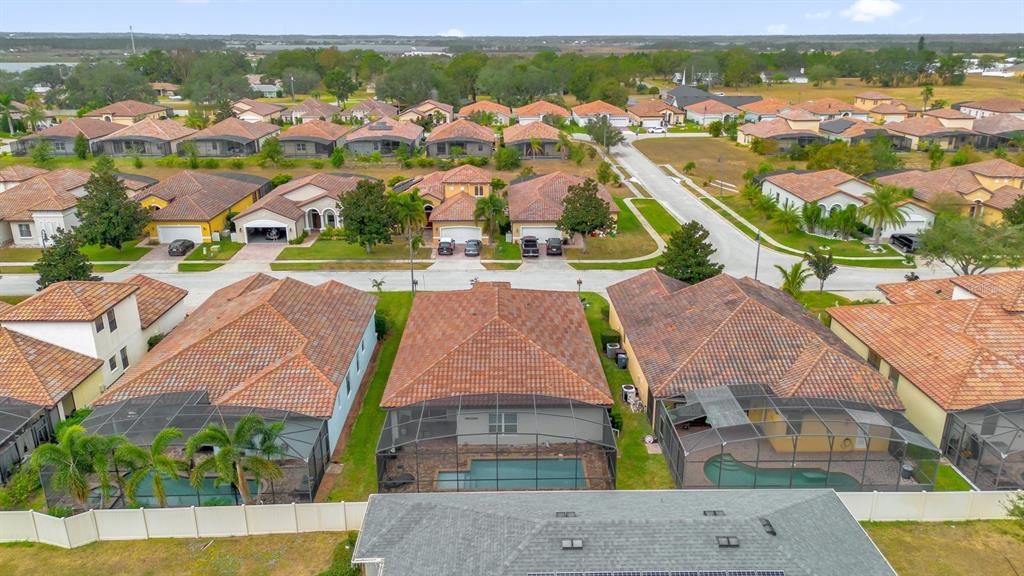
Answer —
(965, 155)
(410, 212)
(935, 155)
(883, 209)
(602, 132)
(464, 70)
(236, 453)
(1015, 507)
(793, 278)
(222, 110)
(882, 154)
(689, 167)
(967, 246)
(42, 153)
(7, 108)
(81, 146)
(506, 158)
(34, 116)
(1015, 213)
(368, 216)
(96, 84)
(927, 92)
(300, 80)
(688, 255)
(151, 462)
(822, 265)
(196, 118)
(715, 128)
(71, 460)
(107, 215)
(490, 210)
(604, 172)
(855, 160)
(811, 216)
(788, 218)
(414, 79)
(583, 211)
(843, 221)
(272, 151)
(337, 157)
(63, 260)
(155, 65)
(340, 84)
(821, 74)
(215, 76)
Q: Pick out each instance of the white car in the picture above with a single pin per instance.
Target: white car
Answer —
(656, 130)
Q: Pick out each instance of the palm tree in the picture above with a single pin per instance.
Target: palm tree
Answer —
(152, 462)
(822, 265)
(536, 146)
(811, 217)
(234, 455)
(490, 209)
(72, 460)
(102, 450)
(564, 144)
(794, 278)
(926, 94)
(882, 209)
(410, 209)
(6, 107)
(788, 218)
(268, 445)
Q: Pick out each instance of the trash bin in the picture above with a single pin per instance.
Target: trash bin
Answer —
(628, 393)
(907, 472)
(622, 360)
(611, 349)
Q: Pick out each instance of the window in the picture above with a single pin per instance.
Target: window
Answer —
(874, 359)
(348, 385)
(300, 146)
(112, 362)
(24, 231)
(99, 324)
(124, 358)
(728, 541)
(59, 146)
(478, 190)
(111, 320)
(894, 376)
(503, 423)
(213, 146)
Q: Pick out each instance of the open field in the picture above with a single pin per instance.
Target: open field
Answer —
(716, 158)
(951, 548)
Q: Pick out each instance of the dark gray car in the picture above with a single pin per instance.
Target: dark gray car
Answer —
(554, 247)
(472, 247)
(529, 246)
(180, 247)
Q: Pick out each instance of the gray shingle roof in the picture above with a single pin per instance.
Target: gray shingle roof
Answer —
(505, 534)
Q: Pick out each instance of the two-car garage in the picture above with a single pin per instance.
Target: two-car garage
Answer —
(542, 233)
(461, 233)
(168, 234)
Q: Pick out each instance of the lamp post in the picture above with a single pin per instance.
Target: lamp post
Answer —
(757, 258)
(44, 238)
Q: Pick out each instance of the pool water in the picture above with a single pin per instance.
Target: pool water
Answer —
(736, 474)
(522, 474)
(181, 493)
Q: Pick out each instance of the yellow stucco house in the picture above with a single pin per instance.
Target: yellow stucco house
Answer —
(451, 200)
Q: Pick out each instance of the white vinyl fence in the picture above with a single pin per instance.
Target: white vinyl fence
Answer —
(926, 506)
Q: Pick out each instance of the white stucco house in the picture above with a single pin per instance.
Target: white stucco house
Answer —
(585, 113)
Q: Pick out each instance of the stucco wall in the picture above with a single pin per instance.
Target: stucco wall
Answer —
(354, 376)
(89, 389)
(553, 425)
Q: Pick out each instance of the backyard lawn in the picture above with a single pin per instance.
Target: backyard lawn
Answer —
(951, 548)
(630, 241)
(948, 480)
(816, 302)
(340, 250)
(129, 251)
(225, 250)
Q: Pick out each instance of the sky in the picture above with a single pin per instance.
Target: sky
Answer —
(516, 17)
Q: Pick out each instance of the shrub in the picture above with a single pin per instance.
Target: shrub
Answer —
(338, 157)
(19, 488)
(278, 179)
(425, 162)
(478, 161)
(236, 163)
(154, 340)
(507, 159)
(300, 239)
(526, 171)
(653, 91)
(169, 161)
(317, 164)
(376, 158)
(60, 511)
(609, 336)
(395, 180)
(136, 161)
(381, 325)
(210, 163)
(616, 417)
(218, 501)
(445, 164)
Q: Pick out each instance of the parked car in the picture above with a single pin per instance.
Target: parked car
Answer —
(905, 242)
(180, 247)
(446, 247)
(473, 247)
(554, 247)
(656, 130)
(529, 246)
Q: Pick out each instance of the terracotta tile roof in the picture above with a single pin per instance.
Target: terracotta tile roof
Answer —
(316, 130)
(711, 107)
(827, 106)
(527, 132)
(48, 191)
(255, 106)
(467, 174)
(386, 128)
(766, 106)
(961, 353)
(460, 129)
(541, 108)
(19, 173)
(164, 130)
(652, 108)
(313, 108)
(597, 107)
(922, 126)
(457, 208)
(154, 297)
(773, 128)
(130, 108)
(947, 113)
(850, 127)
(198, 196)
(1000, 104)
(813, 186)
(891, 108)
(164, 86)
(797, 114)
(727, 331)
(428, 106)
(429, 185)
(69, 302)
(265, 343)
(955, 181)
(998, 124)
(494, 339)
(90, 127)
(371, 107)
(1006, 287)
(40, 373)
(872, 95)
(484, 106)
(235, 128)
(539, 199)
(1004, 197)
(331, 185)
(918, 291)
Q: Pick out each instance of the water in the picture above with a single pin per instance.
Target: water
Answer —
(22, 66)
(525, 474)
(739, 475)
(181, 493)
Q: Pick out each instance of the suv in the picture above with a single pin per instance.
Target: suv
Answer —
(554, 247)
(529, 246)
(180, 247)
(905, 242)
(446, 247)
(472, 247)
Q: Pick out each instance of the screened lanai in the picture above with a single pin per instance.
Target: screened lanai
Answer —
(746, 437)
(987, 444)
(496, 442)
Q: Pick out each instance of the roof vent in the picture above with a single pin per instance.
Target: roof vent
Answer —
(572, 544)
(565, 514)
(767, 525)
(728, 541)
(714, 512)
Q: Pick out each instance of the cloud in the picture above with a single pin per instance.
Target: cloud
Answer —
(775, 29)
(871, 10)
(456, 32)
(818, 15)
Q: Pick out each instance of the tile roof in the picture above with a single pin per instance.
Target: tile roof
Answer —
(711, 107)
(331, 185)
(386, 128)
(918, 291)
(850, 127)
(485, 106)
(460, 129)
(71, 301)
(235, 128)
(130, 108)
(40, 373)
(429, 105)
(813, 186)
(315, 108)
(527, 132)
(766, 106)
(597, 107)
(773, 128)
(873, 95)
(316, 130)
(47, 191)
(540, 199)
(726, 331)
(155, 298)
(263, 343)
(930, 186)
(494, 339)
(467, 174)
(922, 126)
(72, 127)
(255, 106)
(19, 173)
(165, 130)
(947, 113)
(998, 124)
(1000, 104)
(797, 114)
(457, 208)
(372, 107)
(891, 108)
(541, 108)
(198, 196)
(827, 106)
(652, 107)
(1007, 287)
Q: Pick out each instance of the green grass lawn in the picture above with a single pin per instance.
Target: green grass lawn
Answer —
(951, 548)
(130, 251)
(637, 265)
(328, 265)
(341, 250)
(948, 480)
(635, 468)
(657, 216)
(107, 267)
(226, 249)
(630, 241)
(16, 270)
(501, 250)
(14, 299)
(198, 266)
(817, 302)
(502, 265)
(12, 254)
(358, 477)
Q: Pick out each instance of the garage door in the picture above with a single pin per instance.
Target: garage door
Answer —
(168, 234)
(461, 233)
(541, 232)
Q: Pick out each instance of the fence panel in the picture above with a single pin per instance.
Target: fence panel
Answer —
(126, 524)
(17, 526)
(220, 521)
(990, 505)
(860, 504)
(51, 530)
(322, 517)
(354, 514)
(81, 529)
(270, 519)
(171, 523)
(947, 505)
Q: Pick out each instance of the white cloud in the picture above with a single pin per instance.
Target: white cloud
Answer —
(775, 29)
(871, 10)
(456, 32)
(817, 15)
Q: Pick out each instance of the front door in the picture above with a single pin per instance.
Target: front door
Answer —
(314, 221)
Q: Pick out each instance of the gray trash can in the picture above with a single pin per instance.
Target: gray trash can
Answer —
(622, 360)
(907, 471)
(611, 349)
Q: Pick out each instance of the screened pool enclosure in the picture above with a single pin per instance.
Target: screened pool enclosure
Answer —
(987, 444)
(746, 437)
(496, 442)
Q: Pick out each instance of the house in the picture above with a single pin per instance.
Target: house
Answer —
(195, 205)
(792, 127)
(436, 112)
(534, 140)
(794, 76)
(870, 99)
(951, 118)
(655, 113)
(583, 114)
(61, 137)
(767, 109)
(383, 136)
(20, 111)
(128, 112)
(850, 130)
(165, 89)
(369, 110)
(451, 197)
(267, 90)
(292, 346)
(945, 346)
(501, 114)
(306, 204)
(535, 204)
(832, 108)
(310, 109)
(461, 137)
(496, 372)
(678, 533)
(683, 96)
(11, 176)
(993, 106)
(313, 138)
(255, 111)
(233, 137)
(708, 111)
(982, 189)
(147, 137)
(895, 111)
(921, 132)
(536, 111)
(998, 130)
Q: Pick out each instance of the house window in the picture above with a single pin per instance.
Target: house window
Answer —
(124, 358)
(503, 423)
(99, 324)
(59, 146)
(24, 231)
(111, 320)
(357, 363)
(894, 376)
(300, 146)
(112, 362)
(348, 385)
(213, 146)
(874, 359)
(478, 190)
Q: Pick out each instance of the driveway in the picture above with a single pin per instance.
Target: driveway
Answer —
(155, 261)
(545, 263)
(457, 261)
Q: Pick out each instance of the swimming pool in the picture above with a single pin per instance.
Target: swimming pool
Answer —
(736, 474)
(181, 493)
(519, 474)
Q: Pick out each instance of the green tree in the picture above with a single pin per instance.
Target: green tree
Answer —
(107, 215)
(688, 255)
(935, 155)
(99, 83)
(506, 158)
(81, 146)
(715, 128)
(340, 84)
(855, 160)
(1015, 213)
(882, 154)
(583, 211)
(237, 454)
(300, 80)
(272, 151)
(788, 218)
(883, 209)
(215, 76)
(338, 156)
(222, 110)
(490, 210)
(464, 70)
(821, 74)
(811, 216)
(965, 155)
(602, 132)
(42, 154)
(822, 265)
(71, 460)
(967, 246)
(62, 260)
(7, 108)
(368, 216)
(689, 167)
(414, 79)
(843, 221)
(604, 172)
(410, 212)
(927, 92)
(793, 278)
(196, 118)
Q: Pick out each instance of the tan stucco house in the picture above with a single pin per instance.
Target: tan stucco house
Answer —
(451, 200)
